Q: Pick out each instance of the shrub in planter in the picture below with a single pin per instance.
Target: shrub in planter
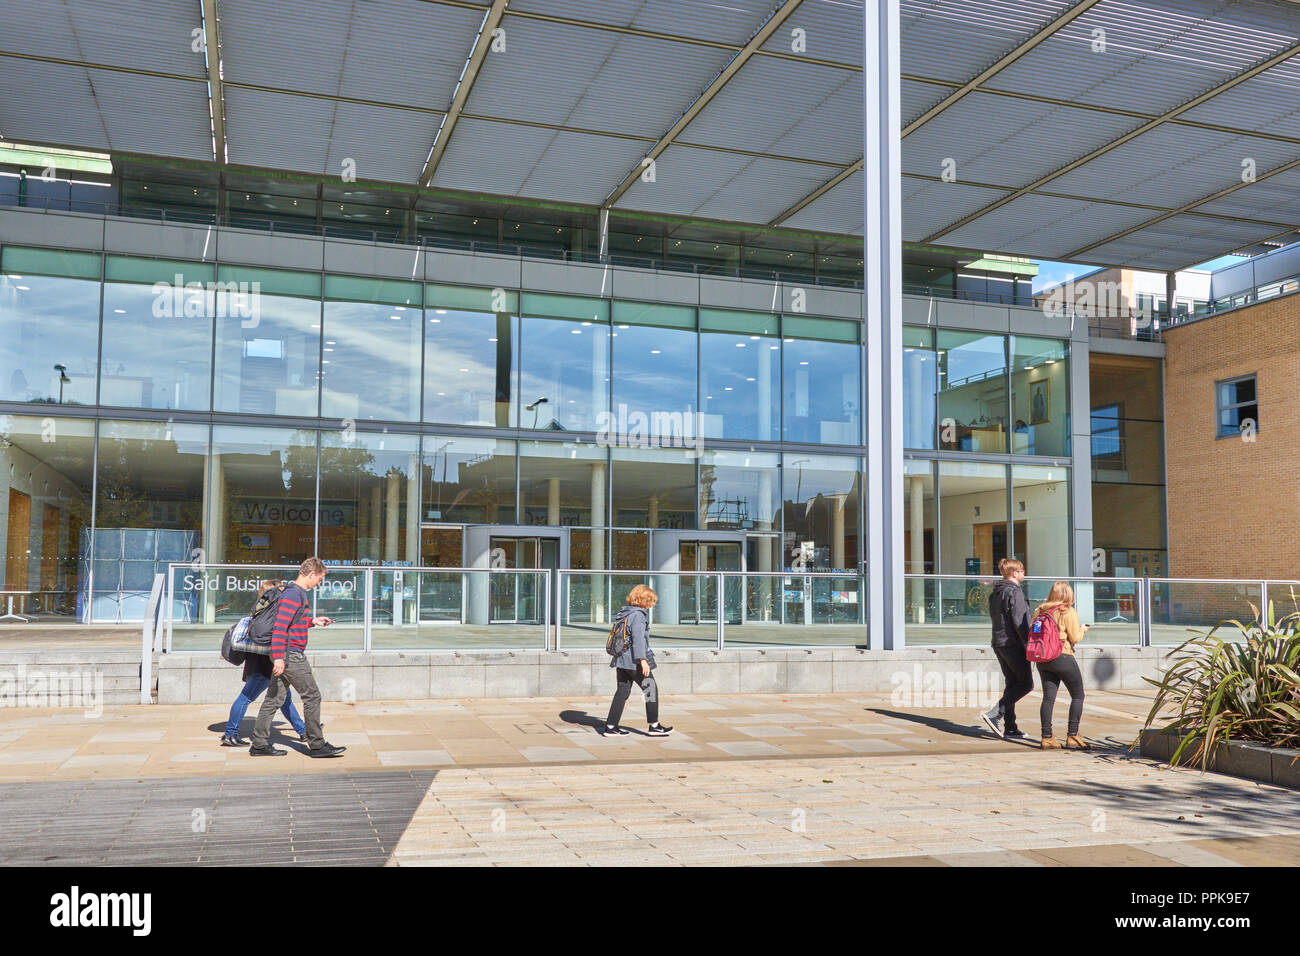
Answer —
(1241, 690)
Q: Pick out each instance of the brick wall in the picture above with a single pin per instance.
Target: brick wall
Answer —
(1234, 505)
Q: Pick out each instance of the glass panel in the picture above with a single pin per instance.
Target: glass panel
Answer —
(270, 361)
(920, 385)
(654, 489)
(564, 363)
(739, 375)
(1177, 606)
(469, 356)
(973, 518)
(261, 487)
(469, 480)
(442, 596)
(654, 383)
(177, 308)
(918, 517)
(739, 489)
(1128, 523)
(563, 484)
(47, 463)
(972, 392)
(1040, 397)
(822, 383)
(370, 367)
(150, 483)
(1041, 499)
(822, 495)
(368, 498)
(49, 352)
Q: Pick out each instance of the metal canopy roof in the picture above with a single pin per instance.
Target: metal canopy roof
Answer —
(1145, 133)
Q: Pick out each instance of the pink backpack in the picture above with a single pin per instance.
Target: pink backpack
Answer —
(1044, 639)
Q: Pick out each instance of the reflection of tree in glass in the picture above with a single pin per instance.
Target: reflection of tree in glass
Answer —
(136, 483)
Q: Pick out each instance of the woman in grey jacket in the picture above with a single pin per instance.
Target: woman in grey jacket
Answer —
(635, 662)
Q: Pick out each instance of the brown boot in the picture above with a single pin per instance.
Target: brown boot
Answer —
(1050, 743)
(1077, 742)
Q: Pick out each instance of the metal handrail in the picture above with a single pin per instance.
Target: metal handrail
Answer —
(367, 594)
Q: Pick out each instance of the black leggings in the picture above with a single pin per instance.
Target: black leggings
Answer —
(626, 678)
(1051, 674)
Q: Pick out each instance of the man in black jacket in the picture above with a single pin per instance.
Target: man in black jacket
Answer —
(1009, 611)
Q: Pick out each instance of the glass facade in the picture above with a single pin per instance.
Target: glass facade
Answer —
(380, 421)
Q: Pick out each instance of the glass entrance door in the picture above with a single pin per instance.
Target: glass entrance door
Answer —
(698, 596)
(519, 598)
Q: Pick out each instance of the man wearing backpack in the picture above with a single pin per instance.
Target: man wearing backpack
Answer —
(629, 649)
(289, 667)
(1009, 611)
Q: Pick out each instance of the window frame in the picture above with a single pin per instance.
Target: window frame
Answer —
(1220, 408)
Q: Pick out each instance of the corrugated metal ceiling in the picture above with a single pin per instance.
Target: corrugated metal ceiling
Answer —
(374, 79)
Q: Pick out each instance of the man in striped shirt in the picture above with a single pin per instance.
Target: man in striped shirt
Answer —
(289, 667)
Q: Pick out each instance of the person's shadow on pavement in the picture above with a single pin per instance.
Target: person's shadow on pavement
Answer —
(945, 726)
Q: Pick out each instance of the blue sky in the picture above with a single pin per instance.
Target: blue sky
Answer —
(1051, 273)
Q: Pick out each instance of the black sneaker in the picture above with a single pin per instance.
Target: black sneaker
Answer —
(267, 751)
(659, 730)
(1015, 733)
(615, 731)
(993, 723)
(236, 741)
(302, 738)
(329, 750)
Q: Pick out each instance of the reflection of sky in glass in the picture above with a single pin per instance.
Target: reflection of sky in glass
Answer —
(373, 370)
(460, 381)
(174, 373)
(48, 322)
(654, 371)
(270, 366)
(565, 363)
(920, 373)
(740, 383)
(975, 360)
(821, 387)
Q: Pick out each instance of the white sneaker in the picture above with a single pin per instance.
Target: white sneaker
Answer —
(993, 723)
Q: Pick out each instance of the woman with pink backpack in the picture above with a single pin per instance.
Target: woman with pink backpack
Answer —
(1053, 633)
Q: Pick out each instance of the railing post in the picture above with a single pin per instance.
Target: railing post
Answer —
(1144, 625)
(559, 604)
(368, 578)
(1263, 602)
(721, 605)
(546, 620)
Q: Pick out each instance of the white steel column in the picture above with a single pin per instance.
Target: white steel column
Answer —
(883, 313)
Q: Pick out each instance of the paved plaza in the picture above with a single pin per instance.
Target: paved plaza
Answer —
(744, 780)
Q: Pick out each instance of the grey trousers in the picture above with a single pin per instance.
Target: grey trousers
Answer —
(297, 674)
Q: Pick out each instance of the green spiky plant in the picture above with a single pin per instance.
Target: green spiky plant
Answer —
(1221, 690)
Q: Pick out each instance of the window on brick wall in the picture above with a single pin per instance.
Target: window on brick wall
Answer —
(1237, 406)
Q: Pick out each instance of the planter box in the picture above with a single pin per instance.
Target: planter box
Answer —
(1252, 761)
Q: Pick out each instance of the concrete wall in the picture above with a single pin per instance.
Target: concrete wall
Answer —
(207, 679)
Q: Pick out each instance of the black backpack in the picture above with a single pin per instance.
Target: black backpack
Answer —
(265, 612)
(619, 640)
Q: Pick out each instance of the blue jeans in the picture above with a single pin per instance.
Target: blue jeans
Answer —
(254, 687)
